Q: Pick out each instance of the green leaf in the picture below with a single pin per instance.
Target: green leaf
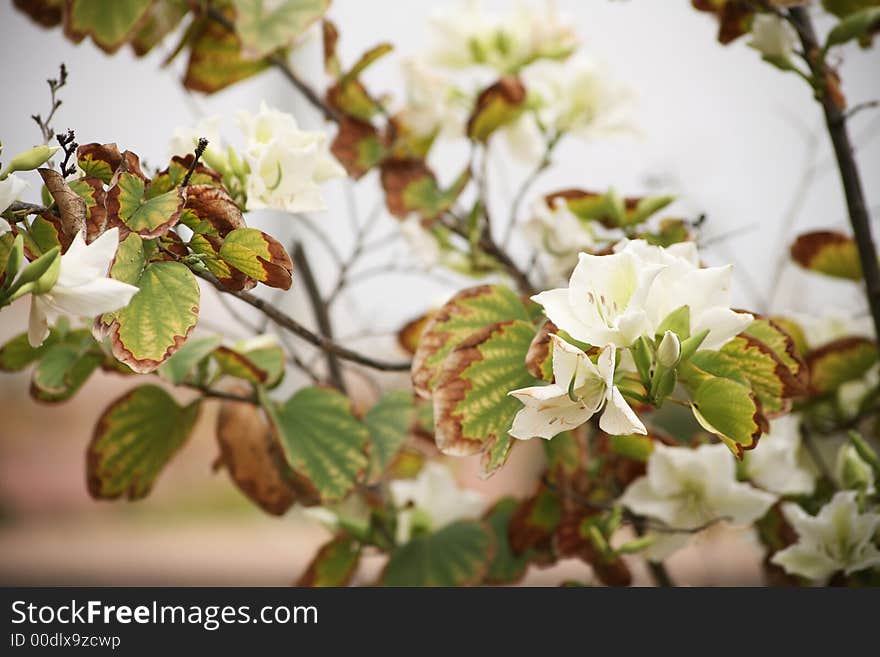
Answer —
(158, 319)
(18, 353)
(128, 202)
(259, 256)
(91, 190)
(781, 341)
(472, 410)
(108, 22)
(840, 361)
(827, 252)
(678, 321)
(506, 567)
(410, 186)
(43, 235)
(635, 446)
(767, 374)
(134, 439)
(182, 364)
(163, 18)
(334, 564)
(457, 555)
(258, 360)
(389, 422)
(215, 59)
(842, 8)
(11, 256)
(265, 26)
(99, 160)
(498, 105)
(467, 312)
(731, 411)
(609, 209)
(65, 366)
(856, 25)
(322, 440)
(358, 146)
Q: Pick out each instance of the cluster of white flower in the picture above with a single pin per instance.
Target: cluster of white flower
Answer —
(284, 164)
(610, 302)
(567, 94)
(468, 35)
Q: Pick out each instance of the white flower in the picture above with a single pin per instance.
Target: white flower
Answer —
(852, 394)
(576, 95)
(432, 500)
(184, 140)
(11, 189)
(820, 329)
(579, 391)
(421, 241)
(852, 471)
(778, 463)
(83, 287)
(466, 35)
(686, 488)
(772, 37)
(839, 538)
(286, 163)
(558, 234)
(433, 104)
(614, 299)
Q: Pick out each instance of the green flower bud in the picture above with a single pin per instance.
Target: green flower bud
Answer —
(669, 350)
(852, 471)
(29, 160)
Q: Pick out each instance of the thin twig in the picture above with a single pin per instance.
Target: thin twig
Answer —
(290, 324)
(319, 308)
(835, 121)
(200, 149)
(542, 166)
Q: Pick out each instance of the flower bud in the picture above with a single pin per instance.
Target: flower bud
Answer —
(852, 471)
(669, 350)
(29, 160)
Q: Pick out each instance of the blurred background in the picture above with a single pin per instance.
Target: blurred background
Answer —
(733, 137)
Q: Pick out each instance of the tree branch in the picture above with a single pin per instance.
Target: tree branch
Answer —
(290, 324)
(835, 121)
(319, 308)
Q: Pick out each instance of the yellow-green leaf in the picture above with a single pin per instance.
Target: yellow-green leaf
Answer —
(134, 439)
(323, 442)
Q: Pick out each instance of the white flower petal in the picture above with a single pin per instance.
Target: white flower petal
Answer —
(618, 418)
(99, 296)
(38, 324)
(806, 562)
(11, 189)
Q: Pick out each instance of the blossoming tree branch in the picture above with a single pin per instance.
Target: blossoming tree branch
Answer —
(663, 410)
